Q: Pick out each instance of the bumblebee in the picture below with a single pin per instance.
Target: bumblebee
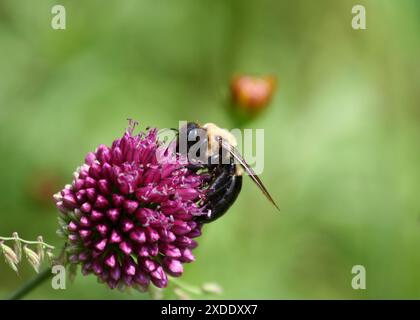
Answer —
(224, 164)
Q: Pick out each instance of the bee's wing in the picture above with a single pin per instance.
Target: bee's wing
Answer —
(248, 169)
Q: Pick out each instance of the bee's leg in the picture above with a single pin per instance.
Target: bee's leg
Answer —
(220, 181)
(223, 174)
(219, 204)
(195, 167)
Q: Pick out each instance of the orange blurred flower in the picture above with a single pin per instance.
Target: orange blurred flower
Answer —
(252, 94)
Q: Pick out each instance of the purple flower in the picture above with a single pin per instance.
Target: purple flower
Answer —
(128, 216)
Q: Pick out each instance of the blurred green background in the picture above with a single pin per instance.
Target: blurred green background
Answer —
(341, 135)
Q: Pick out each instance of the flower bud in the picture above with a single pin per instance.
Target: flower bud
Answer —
(10, 256)
(17, 246)
(33, 258)
(40, 248)
(181, 294)
(252, 94)
(50, 256)
(211, 287)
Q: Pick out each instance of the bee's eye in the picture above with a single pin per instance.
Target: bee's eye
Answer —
(198, 138)
(192, 125)
(197, 134)
(192, 134)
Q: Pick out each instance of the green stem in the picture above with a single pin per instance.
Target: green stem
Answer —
(30, 285)
(26, 241)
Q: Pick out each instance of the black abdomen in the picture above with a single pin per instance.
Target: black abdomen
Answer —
(222, 193)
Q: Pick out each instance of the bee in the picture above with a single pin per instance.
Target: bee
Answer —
(223, 162)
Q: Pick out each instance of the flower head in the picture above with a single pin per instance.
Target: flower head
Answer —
(128, 216)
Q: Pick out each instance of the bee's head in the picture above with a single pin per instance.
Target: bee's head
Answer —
(207, 138)
(194, 133)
